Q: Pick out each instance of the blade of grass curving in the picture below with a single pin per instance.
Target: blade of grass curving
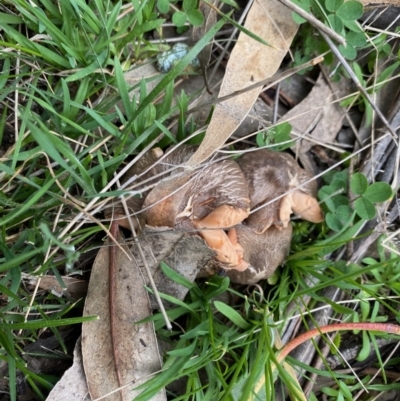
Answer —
(175, 72)
(166, 131)
(112, 18)
(338, 278)
(232, 315)
(41, 324)
(75, 107)
(56, 34)
(52, 9)
(66, 99)
(12, 377)
(21, 258)
(31, 48)
(10, 19)
(12, 295)
(122, 88)
(86, 14)
(5, 73)
(52, 145)
(111, 128)
(25, 113)
(240, 27)
(84, 72)
(28, 204)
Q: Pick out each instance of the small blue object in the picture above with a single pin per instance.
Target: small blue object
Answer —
(168, 59)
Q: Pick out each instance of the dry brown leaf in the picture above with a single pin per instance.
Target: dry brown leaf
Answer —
(187, 255)
(380, 3)
(316, 114)
(135, 345)
(249, 62)
(75, 288)
(72, 385)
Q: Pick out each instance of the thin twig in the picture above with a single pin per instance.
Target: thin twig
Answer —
(146, 266)
(269, 82)
(314, 22)
(353, 76)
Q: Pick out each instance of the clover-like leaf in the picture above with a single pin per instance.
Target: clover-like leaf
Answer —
(189, 5)
(335, 23)
(358, 183)
(350, 11)
(163, 6)
(296, 17)
(349, 52)
(195, 17)
(378, 192)
(333, 222)
(179, 18)
(333, 5)
(364, 208)
(344, 213)
(356, 39)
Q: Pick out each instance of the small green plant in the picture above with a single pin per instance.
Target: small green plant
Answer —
(276, 138)
(190, 12)
(341, 17)
(339, 209)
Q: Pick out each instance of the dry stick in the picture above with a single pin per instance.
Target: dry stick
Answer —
(268, 82)
(112, 291)
(229, 41)
(313, 21)
(353, 76)
(146, 266)
(308, 335)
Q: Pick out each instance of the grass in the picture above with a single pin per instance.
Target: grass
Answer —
(68, 123)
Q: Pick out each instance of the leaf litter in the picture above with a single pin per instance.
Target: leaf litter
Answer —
(129, 351)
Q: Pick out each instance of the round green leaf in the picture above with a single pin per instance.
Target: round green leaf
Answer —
(335, 23)
(296, 18)
(163, 6)
(356, 39)
(344, 213)
(333, 222)
(358, 183)
(353, 26)
(350, 11)
(348, 52)
(179, 18)
(189, 5)
(333, 5)
(364, 208)
(195, 17)
(378, 192)
(340, 200)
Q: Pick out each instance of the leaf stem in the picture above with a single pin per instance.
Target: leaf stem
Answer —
(380, 327)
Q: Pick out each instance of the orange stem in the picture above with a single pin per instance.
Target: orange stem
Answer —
(308, 335)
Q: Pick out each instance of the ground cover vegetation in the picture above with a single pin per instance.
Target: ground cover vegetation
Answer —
(70, 120)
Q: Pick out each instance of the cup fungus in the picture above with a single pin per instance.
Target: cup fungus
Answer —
(214, 201)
